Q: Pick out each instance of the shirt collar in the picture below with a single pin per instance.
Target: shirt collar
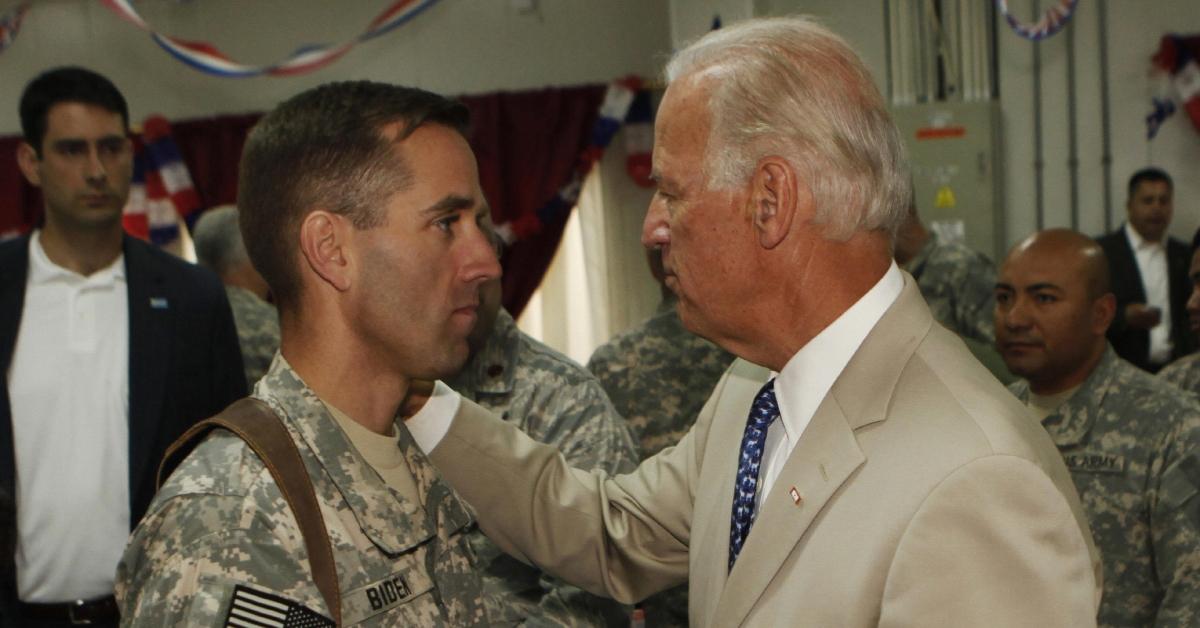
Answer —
(809, 375)
(1137, 242)
(43, 271)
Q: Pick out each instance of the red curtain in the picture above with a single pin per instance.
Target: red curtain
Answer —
(527, 144)
(20, 203)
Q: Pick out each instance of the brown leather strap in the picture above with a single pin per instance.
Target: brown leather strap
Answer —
(257, 424)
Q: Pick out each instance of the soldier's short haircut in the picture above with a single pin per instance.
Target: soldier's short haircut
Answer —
(324, 149)
(66, 84)
(218, 241)
(1149, 175)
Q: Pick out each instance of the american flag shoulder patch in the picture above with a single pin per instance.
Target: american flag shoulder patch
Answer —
(251, 608)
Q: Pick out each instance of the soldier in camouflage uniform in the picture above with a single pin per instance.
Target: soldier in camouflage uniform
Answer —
(1131, 442)
(956, 281)
(555, 401)
(377, 286)
(219, 247)
(658, 376)
(258, 331)
(221, 523)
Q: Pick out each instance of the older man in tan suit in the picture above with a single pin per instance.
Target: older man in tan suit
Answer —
(883, 476)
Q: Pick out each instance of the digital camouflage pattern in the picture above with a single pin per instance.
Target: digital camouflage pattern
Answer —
(220, 522)
(258, 331)
(959, 285)
(1132, 444)
(659, 375)
(555, 401)
(1184, 373)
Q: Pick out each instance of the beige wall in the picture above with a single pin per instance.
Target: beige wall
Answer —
(455, 47)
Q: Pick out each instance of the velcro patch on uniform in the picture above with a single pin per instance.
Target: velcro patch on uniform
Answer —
(1181, 482)
(1095, 462)
(250, 608)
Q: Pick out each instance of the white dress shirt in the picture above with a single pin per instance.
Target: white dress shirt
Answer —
(1152, 266)
(799, 389)
(69, 393)
(807, 377)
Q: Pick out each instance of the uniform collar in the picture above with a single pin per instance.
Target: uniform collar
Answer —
(1072, 421)
(392, 521)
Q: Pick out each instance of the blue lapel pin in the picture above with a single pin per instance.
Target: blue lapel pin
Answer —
(158, 303)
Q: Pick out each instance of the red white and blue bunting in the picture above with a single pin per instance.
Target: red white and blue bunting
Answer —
(10, 25)
(1053, 21)
(1177, 70)
(617, 101)
(206, 58)
(162, 189)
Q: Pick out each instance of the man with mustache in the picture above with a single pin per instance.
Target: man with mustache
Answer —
(1131, 442)
(110, 349)
(359, 203)
(1149, 276)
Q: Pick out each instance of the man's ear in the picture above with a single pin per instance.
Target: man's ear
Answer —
(775, 198)
(1103, 311)
(323, 242)
(28, 161)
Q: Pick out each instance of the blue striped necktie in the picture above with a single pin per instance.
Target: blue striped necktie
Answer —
(762, 413)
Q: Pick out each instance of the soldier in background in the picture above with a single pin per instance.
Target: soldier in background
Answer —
(555, 401)
(956, 282)
(1131, 442)
(361, 207)
(1185, 372)
(219, 247)
(658, 376)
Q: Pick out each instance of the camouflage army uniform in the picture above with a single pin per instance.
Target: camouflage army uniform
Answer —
(555, 401)
(1184, 373)
(959, 285)
(1132, 444)
(659, 375)
(220, 523)
(258, 331)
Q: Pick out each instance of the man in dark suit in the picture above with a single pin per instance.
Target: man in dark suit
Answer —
(1149, 277)
(110, 350)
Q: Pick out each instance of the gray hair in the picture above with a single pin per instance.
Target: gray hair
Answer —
(218, 241)
(790, 87)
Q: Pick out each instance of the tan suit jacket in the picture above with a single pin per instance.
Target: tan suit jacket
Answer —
(928, 496)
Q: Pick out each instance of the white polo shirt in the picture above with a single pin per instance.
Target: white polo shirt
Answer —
(68, 387)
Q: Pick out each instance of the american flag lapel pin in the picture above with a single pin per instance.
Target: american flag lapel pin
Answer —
(795, 496)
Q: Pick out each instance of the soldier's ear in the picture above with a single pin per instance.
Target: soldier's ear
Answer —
(323, 243)
(1104, 310)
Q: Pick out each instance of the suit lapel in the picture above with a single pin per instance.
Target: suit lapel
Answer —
(151, 320)
(826, 455)
(820, 463)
